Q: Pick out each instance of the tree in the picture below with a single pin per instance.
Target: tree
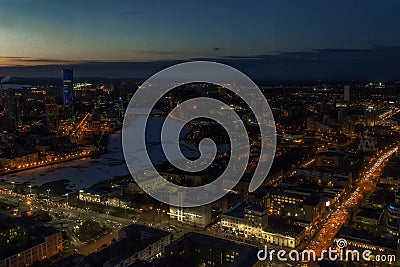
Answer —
(89, 229)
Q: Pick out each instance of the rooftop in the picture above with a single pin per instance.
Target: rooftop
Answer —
(247, 254)
(363, 236)
(369, 213)
(238, 210)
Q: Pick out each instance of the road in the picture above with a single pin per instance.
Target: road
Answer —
(383, 117)
(67, 218)
(364, 187)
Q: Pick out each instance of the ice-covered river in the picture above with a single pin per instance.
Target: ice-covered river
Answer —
(85, 172)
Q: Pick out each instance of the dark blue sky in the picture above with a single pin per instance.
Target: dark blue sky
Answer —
(268, 39)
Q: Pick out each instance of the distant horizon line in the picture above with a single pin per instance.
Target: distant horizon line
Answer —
(288, 81)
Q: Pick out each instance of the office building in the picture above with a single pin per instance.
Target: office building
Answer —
(393, 219)
(67, 86)
(197, 216)
(250, 223)
(52, 117)
(347, 94)
(301, 204)
(12, 109)
(247, 219)
(371, 116)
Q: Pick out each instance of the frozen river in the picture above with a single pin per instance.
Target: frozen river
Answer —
(85, 172)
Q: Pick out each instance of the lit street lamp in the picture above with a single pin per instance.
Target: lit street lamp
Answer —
(48, 199)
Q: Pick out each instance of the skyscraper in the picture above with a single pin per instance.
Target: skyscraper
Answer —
(12, 109)
(52, 117)
(67, 86)
(347, 93)
(371, 116)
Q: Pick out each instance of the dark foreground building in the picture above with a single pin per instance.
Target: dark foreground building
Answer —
(137, 244)
(194, 249)
(24, 242)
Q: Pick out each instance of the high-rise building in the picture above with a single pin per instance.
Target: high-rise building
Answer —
(347, 93)
(52, 117)
(67, 86)
(371, 116)
(342, 112)
(12, 109)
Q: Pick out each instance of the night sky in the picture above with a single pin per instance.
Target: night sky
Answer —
(271, 40)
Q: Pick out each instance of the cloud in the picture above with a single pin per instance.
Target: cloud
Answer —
(374, 64)
(131, 12)
(38, 61)
(13, 57)
(45, 60)
(153, 52)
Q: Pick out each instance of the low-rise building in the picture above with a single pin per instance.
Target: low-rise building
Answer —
(368, 217)
(302, 204)
(197, 216)
(194, 249)
(285, 235)
(26, 243)
(246, 219)
(326, 176)
(123, 201)
(92, 195)
(329, 159)
(362, 240)
(136, 244)
(99, 194)
(20, 162)
(250, 223)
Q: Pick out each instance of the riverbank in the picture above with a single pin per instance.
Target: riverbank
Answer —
(80, 172)
(53, 162)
